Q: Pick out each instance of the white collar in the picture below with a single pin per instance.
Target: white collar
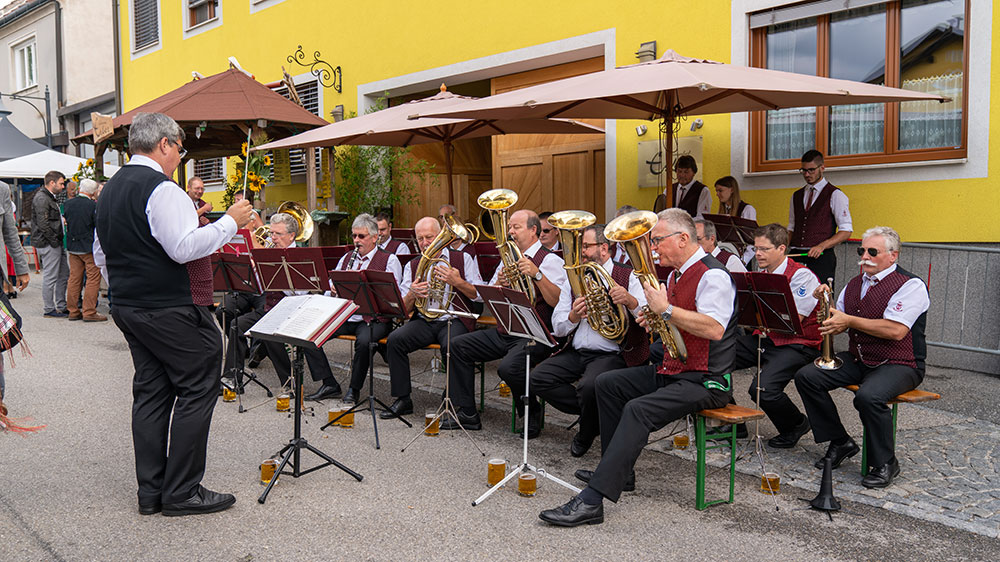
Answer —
(141, 160)
(819, 185)
(880, 275)
(687, 185)
(781, 268)
(695, 258)
(715, 252)
(533, 249)
(608, 265)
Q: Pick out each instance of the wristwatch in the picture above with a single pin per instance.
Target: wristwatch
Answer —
(666, 314)
(538, 275)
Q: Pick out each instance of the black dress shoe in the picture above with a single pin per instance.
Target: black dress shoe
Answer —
(325, 392)
(586, 475)
(882, 476)
(573, 513)
(534, 422)
(203, 501)
(837, 453)
(470, 423)
(581, 444)
(789, 439)
(257, 354)
(150, 508)
(400, 407)
(351, 397)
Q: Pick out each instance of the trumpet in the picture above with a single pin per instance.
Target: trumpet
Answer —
(497, 202)
(589, 280)
(439, 296)
(826, 359)
(631, 230)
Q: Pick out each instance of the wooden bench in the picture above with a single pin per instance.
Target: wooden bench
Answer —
(731, 414)
(914, 396)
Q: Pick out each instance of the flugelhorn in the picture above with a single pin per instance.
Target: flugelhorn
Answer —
(438, 295)
(631, 230)
(826, 360)
(496, 202)
(588, 279)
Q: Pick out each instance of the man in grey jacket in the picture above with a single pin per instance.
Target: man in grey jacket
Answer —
(47, 238)
(10, 239)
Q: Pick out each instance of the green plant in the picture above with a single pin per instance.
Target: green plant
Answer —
(87, 170)
(258, 172)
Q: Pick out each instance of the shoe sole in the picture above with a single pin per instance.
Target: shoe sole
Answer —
(199, 511)
(591, 521)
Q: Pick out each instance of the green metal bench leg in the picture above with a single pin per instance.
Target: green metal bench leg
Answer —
(864, 441)
(701, 442)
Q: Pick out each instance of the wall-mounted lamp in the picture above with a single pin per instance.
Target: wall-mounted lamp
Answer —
(640, 130)
(646, 52)
(697, 124)
(337, 113)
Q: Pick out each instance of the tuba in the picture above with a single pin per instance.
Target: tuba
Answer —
(826, 360)
(589, 280)
(438, 294)
(304, 231)
(631, 230)
(496, 202)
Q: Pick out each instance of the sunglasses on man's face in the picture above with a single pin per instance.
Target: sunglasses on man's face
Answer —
(871, 251)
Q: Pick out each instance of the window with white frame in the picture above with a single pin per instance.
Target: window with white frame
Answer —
(309, 96)
(211, 170)
(145, 23)
(201, 11)
(25, 65)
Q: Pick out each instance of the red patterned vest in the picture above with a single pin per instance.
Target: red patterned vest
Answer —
(724, 256)
(873, 351)
(635, 346)
(543, 308)
(810, 326)
(818, 223)
(703, 355)
(391, 246)
(456, 260)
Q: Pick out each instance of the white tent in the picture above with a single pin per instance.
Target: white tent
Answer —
(38, 164)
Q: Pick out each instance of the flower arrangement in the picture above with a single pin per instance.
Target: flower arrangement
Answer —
(256, 165)
(87, 170)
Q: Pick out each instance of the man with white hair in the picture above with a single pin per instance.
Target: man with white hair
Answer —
(708, 242)
(884, 311)
(80, 213)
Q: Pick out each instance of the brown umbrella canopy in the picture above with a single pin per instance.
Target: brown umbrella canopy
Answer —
(227, 103)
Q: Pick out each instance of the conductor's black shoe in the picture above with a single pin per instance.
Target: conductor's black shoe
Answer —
(788, 439)
(573, 513)
(325, 392)
(257, 354)
(534, 422)
(203, 501)
(838, 453)
(586, 475)
(150, 508)
(400, 407)
(351, 397)
(581, 444)
(470, 423)
(882, 476)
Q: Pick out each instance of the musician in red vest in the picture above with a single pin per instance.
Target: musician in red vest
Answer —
(459, 277)
(689, 194)
(588, 353)
(545, 270)
(819, 218)
(366, 255)
(884, 311)
(707, 240)
(700, 300)
(385, 241)
(782, 354)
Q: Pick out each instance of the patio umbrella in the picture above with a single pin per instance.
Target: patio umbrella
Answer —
(671, 87)
(392, 127)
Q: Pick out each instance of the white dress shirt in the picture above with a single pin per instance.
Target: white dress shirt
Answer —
(839, 206)
(363, 262)
(802, 284)
(402, 248)
(585, 336)
(471, 275)
(904, 306)
(716, 291)
(733, 264)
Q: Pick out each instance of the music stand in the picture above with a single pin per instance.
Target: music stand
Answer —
(765, 305)
(738, 231)
(378, 298)
(234, 274)
(517, 317)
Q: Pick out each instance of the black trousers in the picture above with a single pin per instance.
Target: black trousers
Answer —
(825, 266)
(245, 309)
(363, 335)
(554, 378)
(633, 403)
(489, 345)
(177, 354)
(878, 386)
(778, 367)
(416, 334)
(319, 365)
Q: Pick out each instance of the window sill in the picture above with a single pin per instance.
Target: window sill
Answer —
(33, 88)
(863, 167)
(198, 26)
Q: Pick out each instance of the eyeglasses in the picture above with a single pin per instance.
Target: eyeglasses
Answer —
(656, 240)
(765, 249)
(808, 170)
(359, 236)
(587, 245)
(181, 151)
(871, 251)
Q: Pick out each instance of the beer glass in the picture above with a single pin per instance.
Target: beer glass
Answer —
(527, 484)
(228, 394)
(267, 469)
(770, 483)
(282, 403)
(432, 423)
(347, 420)
(495, 471)
(681, 441)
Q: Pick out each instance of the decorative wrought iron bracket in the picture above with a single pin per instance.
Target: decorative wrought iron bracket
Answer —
(328, 75)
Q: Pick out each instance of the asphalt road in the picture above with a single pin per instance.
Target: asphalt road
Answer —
(69, 490)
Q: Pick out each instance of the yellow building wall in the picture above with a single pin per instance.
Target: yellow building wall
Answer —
(381, 40)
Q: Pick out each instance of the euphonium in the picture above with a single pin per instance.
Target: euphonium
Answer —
(588, 279)
(496, 202)
(631, 230)
(438, 294)
(826, 359)
(262, 235)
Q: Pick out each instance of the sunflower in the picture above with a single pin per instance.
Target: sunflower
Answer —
(244, 149)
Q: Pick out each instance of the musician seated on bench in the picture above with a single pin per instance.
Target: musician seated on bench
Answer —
(884, 311)
(635, 401)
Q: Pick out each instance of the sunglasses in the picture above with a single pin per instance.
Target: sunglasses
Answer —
(361, 236)
(871, 251)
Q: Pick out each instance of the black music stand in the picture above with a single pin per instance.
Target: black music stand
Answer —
(517, 317)
(378, 298)
(234, 274)
(738, 231)
(765, 306)
(291, 451)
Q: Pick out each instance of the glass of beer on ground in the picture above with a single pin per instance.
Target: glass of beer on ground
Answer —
(347, 416)
(495, 471)
(267, 469)
(681, 441)
(527, 484)
(432, 423)
(503, 389)
(282, 403)
(228, 394)
(770, 483)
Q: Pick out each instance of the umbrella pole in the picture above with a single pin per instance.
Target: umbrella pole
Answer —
(447, 165)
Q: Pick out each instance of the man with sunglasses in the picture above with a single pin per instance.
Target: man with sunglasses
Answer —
(700, 300)
(884, 311)
(550, 234)
(819, 218)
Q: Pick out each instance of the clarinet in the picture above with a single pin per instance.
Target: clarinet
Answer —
(354, 256)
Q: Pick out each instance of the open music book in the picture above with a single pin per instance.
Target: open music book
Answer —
(305, 320)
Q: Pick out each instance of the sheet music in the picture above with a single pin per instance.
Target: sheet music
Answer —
(532, 326)
(304, 317)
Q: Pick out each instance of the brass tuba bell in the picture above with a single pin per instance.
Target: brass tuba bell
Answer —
(496, 202)
(301, 216)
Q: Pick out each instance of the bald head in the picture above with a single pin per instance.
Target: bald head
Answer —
(426, 230)
(524, 228)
